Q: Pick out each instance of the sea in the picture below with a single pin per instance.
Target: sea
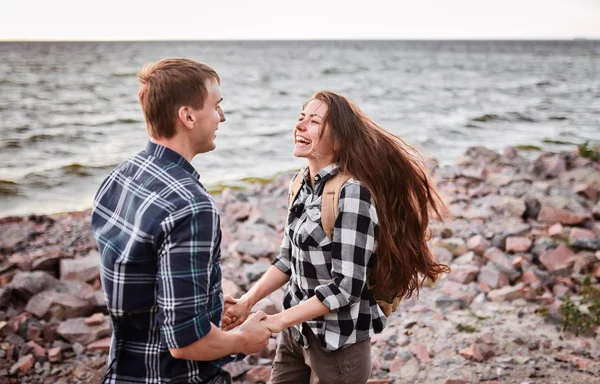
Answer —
(69, 111)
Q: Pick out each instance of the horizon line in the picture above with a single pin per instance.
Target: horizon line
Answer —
(47, 40)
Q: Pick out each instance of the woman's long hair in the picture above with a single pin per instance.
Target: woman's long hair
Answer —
(404, 196)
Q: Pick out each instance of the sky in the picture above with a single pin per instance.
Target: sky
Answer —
(306, 19)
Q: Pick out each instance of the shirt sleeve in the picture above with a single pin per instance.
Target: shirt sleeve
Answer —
(353, 242)
(185, 264)
(283, 260)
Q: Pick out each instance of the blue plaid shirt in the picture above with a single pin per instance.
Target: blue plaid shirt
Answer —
(158, 234)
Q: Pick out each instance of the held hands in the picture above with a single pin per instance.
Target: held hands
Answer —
(273, 323)
(254, 335)
(235, 313)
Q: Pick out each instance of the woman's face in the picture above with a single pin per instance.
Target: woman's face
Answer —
(307, 142)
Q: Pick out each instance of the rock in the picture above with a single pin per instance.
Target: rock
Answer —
(455, 245)
(55, 354)
(230, 288)
(477, 244)
(100, 345)
(593, 244)
(464, 273)
(557, 215)
(580, 234)
(256, 270)
(75, 330)
(37, 350)
(237, 368)
(60, 306)
(529, 278)
(95, 319)
(468, 258)
(252, 249)
(557, 259)
(405, 371)
(26, 284)
(586, 190)
(471, 353)
(506, 293)
(441, 255)
(420, 352)
(555, 230)
(492, 277)
(517, 244)
(83, 269)
(532, 209)
(498, 257)
(24, 364)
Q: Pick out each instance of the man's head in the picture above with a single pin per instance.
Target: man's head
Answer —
(181, 96)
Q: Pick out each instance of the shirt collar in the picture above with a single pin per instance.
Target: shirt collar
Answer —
(324, 174)
(169, 155)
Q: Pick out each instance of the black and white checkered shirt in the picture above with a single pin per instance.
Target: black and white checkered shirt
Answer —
(335, 270)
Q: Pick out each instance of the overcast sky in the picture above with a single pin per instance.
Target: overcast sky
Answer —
(307, 19)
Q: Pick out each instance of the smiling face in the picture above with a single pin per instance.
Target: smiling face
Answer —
(308, 141)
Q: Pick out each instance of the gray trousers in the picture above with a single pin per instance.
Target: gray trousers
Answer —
(313, 365)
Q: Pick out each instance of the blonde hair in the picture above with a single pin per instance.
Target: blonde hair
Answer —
(168, 85)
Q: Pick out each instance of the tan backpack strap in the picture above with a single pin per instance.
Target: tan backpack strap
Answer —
(296, 186)
(329, 202)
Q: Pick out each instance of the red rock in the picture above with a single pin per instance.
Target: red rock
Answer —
(477, 244)
(519, 261)
(378, 381)
(555, 229)
(82, 269)
(420, 352)
(452, 288)
(580, 234)
(528, 277)
(456, 381)
(260, 374)
(587, 191)
(5, 329)
(596, 272)
(51, 304)
(557, 259)
(24, 364)
(464, 274)
(506, 294)
(36, 349)
(517, 244)
(492, 277)
(560, 290)
(557, 215)
(472, 353)
(55, 355)
(100, 345)
(95, 319)
(496, 256)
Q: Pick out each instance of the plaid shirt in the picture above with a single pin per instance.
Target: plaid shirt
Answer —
(334, 270)
(158, 234)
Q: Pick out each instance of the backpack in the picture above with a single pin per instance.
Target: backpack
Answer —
(329, 213)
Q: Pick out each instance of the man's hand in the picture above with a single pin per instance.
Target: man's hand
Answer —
(235, 313)
(255, 336)
(273, 323)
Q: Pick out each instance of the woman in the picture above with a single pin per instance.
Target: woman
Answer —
(378, 247)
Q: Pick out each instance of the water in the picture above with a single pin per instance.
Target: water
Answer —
(69, 111)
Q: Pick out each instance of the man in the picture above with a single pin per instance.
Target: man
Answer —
(158, 233)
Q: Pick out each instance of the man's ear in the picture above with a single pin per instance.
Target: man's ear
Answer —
(186, 117)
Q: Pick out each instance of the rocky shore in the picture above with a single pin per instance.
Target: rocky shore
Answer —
(521, 237)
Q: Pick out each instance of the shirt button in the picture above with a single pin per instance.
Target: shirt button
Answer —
(317, 178)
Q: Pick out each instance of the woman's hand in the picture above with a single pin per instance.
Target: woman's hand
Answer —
(235, 312)
(274, 323)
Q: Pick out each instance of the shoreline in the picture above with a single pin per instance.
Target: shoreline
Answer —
(522, 237)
